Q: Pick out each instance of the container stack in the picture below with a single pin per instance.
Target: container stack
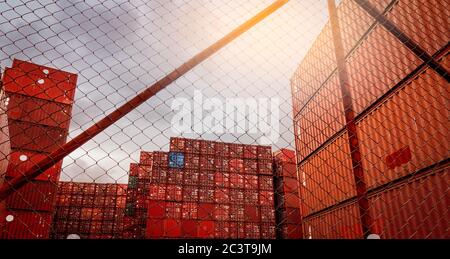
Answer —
(135, 219)
(89, 211)
(5, 147)
(39, 110)
(211, 189)
(287, 197)
(402, 125)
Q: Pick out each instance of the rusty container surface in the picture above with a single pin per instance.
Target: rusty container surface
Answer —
(327, 177)
(424, 21)
(408, 132)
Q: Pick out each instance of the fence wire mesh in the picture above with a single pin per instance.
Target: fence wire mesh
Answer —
(313, 119)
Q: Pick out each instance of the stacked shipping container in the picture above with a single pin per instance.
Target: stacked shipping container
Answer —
(135, 219)
(401, 105)
(89, 210)
(206, 189)
(287, 196)
(39, 108)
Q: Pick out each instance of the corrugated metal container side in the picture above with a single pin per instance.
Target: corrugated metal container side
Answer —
(353, 29)
(406, 133)
(34, 196)
(54, 74)
(418, 209)
(39, 86)
(22, 160)
(424, 21)
(445, 60)
(380, 62)
(315, 68)
(320, 118)
(25, 135)
(39, 111)
(26, 225)
(327, 177)
(341, 223)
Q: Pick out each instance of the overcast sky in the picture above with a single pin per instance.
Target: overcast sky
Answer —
(118, 47)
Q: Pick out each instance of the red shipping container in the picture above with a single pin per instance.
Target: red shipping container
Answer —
(237, 196)
(252, 231)
(207, 147)
(159, 175)
(174, 193)
(265, 167)
(144, 171)
(264, 152)
(291, 200)
(175, 176)
(291, 216)
(251, 197)
(222, 164)
(156, 209)
(39, 111)
(173, 210)
(327, 177)
(236, 180)
(21, 161)
(251, 213)
(160, 159)
(222, 179)
(155, 228)
(250, 166)
(157, 192)
(237, 213)
(222, 195)
(266, 198)
(265, 183)
(206, 194)
(237, 230)
(416, 209)
(291, 231)
(222, 230)
(268, 231)
(222, 212)
(236, 151)
(192, 146)
(177, 144)
(206, 178)
(420, 18)
(236, 165)
(207, 162)
(189, 210)
(250, 152)
(192, 161)
(206, 211)
(35, 196)
(36, 137)
(134, 169)
(285, 169)
(146, 158)
(57, 75)
(190, 193)
(285, 156)
(206, 229)
(31, 84)
(190, 177)
(267, 214)
(409, 128)
(27, 225)
(222, 150)
(251, 182)
(189, 228)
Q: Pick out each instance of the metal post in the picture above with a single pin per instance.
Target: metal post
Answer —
(110, 119)
(404, 39)
(361, 188)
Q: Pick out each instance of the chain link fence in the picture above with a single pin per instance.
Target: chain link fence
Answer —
(224, 119)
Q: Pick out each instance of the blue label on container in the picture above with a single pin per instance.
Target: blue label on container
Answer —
(176, 160)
